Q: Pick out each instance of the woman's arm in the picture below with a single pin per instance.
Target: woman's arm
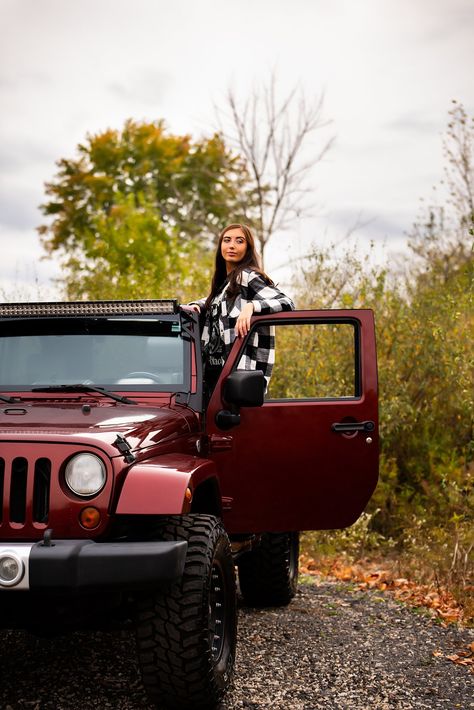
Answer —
(266, 298)
(195, 305)
(261, 299)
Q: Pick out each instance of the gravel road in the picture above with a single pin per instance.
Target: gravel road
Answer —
(334, 647)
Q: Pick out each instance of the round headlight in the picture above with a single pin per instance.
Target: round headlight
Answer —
(85, 474)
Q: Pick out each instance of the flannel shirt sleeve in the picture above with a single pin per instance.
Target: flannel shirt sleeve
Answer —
(200, 302)
(265, 298)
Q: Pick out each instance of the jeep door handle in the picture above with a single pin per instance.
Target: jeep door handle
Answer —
(348, 427)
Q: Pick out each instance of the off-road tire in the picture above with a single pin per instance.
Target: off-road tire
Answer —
(184, 661)
(268, 574)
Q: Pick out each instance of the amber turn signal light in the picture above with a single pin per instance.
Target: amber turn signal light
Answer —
(89, 517)
(188, 494)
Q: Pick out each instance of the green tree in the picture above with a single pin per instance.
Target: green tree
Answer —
(426, 369)
(424, 321)
(137, 210)
(134, 255)
(424, 501)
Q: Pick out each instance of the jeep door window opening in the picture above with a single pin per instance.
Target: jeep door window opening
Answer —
(316, 360)
(127, 353)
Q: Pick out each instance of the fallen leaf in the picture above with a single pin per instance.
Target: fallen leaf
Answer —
(369, 574)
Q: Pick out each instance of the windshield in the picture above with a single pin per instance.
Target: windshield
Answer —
(126, 353)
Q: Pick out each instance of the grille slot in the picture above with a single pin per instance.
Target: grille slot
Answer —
(2, 479)
(21, 479)
(41, 490)
(18, 490)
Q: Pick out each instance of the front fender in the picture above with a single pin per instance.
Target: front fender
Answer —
(158, 487)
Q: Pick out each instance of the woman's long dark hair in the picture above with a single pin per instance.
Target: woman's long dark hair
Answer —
(249, 261)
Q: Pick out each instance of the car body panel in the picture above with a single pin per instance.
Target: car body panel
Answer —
(158, 487)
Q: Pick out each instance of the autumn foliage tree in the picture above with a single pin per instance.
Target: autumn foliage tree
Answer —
(424, 320)
(136, 211)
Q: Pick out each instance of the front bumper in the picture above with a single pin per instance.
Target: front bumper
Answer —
(85, 565)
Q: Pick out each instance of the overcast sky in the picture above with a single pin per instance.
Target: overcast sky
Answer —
(389, 70)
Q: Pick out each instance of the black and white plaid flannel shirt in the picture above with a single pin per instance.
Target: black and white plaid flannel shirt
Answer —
(259, 352)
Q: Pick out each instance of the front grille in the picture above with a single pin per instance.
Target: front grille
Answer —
(20, 481)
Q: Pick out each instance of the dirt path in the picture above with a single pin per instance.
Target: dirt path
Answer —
(337, 647)
(334, 647)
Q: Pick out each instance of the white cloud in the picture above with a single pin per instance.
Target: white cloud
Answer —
(389, 70)
(24, 273)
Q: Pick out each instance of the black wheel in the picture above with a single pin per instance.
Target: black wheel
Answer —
(268, 574)
(186, 635)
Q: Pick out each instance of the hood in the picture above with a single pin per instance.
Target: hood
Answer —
(94, 422)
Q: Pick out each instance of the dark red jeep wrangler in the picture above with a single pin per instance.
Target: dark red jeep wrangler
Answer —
(125, 494)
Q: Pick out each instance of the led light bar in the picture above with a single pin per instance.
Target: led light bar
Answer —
(89, 308)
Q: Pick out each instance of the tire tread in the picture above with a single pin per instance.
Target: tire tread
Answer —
(265, 575)
(174, 654)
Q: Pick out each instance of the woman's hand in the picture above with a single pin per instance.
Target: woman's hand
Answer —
(192, 307)
(242, 326)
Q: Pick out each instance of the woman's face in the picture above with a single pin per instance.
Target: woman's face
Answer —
(233, 247)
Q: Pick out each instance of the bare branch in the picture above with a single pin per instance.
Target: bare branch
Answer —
(272, 136)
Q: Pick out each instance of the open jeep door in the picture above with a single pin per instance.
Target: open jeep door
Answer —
(308, 457)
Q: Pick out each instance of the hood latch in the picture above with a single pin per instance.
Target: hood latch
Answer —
(124, 447)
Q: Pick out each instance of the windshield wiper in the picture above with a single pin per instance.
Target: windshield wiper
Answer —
(10, 400)
(84, 388)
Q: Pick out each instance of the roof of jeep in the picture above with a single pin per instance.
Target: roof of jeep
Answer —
(89, 308)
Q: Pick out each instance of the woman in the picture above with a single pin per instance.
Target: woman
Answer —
(239, 289)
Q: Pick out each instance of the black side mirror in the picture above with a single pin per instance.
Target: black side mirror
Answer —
(245, 388)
